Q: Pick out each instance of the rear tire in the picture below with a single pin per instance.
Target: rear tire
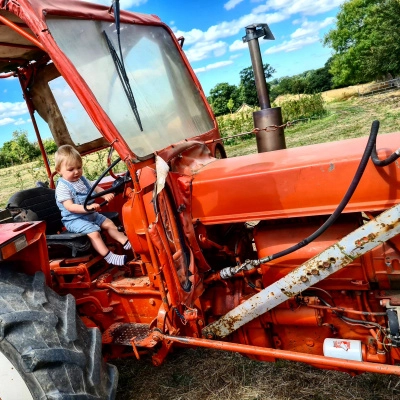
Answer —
(56, 356)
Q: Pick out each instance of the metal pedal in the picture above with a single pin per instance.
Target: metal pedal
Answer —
(123, 334)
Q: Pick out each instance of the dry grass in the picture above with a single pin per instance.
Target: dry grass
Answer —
(199, 374)
(331, 95)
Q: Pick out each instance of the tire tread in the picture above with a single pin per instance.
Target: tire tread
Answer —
(57, 355)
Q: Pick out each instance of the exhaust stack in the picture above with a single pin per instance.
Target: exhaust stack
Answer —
(267, 116)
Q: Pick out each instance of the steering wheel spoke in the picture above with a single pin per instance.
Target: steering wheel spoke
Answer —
(116, 188)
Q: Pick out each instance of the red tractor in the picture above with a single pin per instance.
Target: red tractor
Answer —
(290, 254)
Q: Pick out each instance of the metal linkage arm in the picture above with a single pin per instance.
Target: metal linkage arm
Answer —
(331, 260)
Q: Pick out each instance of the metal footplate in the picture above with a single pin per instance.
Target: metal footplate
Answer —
(129, 335)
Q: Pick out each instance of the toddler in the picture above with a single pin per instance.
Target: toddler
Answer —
(72, 189)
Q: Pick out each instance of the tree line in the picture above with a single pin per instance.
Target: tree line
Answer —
(225, 98)
(19, 150)
(366, 47)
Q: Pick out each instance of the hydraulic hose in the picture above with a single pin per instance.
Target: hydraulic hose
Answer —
(371, 144)
(383, 163)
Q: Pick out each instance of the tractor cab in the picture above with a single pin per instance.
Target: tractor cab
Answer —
(102, 78)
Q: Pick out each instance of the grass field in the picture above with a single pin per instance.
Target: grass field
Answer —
(198, 374)
(345, 119)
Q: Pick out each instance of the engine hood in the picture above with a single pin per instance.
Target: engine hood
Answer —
(302, 181)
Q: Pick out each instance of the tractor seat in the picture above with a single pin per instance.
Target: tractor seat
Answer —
(39, 204)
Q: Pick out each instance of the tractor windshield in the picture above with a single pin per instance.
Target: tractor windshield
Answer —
(168, 102)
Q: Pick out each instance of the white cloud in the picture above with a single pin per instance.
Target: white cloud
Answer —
(306, 7)
(8, 110)
(20, 121)
(219, 64)
(227, 29)
(307, 34)
(203, 50)
(238, 45)
(292, 45)
(6, 121)
(311, 28)
(231, 4)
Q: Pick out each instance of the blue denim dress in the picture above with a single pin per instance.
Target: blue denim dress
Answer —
(79, 223)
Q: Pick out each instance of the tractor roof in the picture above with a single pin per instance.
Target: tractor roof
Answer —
(30, 17)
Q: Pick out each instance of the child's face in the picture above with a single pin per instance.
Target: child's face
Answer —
(71, 171)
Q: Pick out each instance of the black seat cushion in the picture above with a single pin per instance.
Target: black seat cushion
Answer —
(39, 204)
(42, 202)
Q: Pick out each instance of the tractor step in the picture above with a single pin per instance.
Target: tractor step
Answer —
(124, 334)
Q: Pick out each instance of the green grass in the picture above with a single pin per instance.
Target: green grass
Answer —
(344, 120)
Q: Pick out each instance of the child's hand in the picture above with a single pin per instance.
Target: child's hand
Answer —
(93, 207)
(108, 197)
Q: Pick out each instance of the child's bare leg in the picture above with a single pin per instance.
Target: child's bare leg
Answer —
(97, 243)
(113, 231)
(102, 249)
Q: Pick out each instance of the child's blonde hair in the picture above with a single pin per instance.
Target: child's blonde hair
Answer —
(67, 154)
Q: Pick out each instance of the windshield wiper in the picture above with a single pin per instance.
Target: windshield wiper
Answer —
(119, 65)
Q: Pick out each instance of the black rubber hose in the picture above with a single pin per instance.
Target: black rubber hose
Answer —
(383, 163)
(354, 183)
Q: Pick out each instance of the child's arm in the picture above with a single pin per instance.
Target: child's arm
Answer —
(108, 197)
(78, 208)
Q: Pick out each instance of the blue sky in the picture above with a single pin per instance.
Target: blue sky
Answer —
(213, 30)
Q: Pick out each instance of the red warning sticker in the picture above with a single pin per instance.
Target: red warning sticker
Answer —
(341, 344)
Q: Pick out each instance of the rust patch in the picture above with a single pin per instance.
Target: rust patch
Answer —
(288, 294)
(228, 323)
(366, 239)
(324, 265)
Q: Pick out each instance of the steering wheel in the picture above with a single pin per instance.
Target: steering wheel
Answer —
(109, 158)
(117, 186)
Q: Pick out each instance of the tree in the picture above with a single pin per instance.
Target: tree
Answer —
(366, 41)
(247, 86)
(230, 104)
(319, 80)
(18, 150)
(50, 146)
(220, 96)
(23, 148)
